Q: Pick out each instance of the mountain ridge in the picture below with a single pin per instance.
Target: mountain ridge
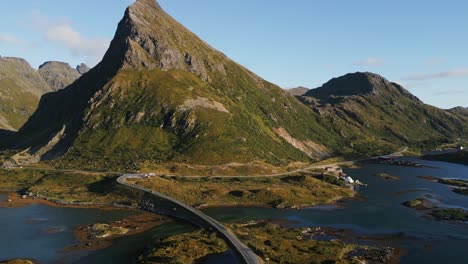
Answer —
(368, 104)
(162, 94)
(21, 87)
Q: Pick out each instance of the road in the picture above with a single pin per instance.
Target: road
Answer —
(322, 166)
(247, 255)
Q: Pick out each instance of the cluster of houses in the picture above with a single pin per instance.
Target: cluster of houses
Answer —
(148, 175)
(339, 174)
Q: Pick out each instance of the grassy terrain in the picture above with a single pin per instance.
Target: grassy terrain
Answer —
(283, 192)
(387, 176)
(17, 261)
(373, 114)
(184, 248)
(20, 89)
(462, 191)
(270, 242)
(456, 157)
(67, 188)
(282, 245)
(450, 214)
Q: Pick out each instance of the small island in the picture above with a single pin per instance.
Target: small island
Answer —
(273, 244)
(420, 204)
(460, 186)
(18, 261)
(434, 212)
(387, 176)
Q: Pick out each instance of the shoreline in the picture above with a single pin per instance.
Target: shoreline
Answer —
(17, 202)
(135, 224)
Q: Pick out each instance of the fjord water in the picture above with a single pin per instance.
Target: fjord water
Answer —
(40, 232)
(381, 212)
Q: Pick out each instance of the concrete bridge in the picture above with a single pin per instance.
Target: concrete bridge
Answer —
(162, 204)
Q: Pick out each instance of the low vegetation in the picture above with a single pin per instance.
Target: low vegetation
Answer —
(276, 244)
(450, 214)
(462, 184)
(184, 248)
(442, 214)
(419, 204)
(387, 176)
(17, 261)
(66, 187)
(296, 191)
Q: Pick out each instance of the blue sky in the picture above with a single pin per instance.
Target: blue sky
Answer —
(420, 44)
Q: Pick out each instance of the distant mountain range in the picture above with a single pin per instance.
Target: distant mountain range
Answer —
(161, 94)
(21, 86)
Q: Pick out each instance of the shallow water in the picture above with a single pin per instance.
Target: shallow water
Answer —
(381, 212)
(40, 232)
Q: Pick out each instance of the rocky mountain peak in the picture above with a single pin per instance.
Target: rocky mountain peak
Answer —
(359, 84)
(82, 68)
(58, 74)
(147, 38)
(54, 64)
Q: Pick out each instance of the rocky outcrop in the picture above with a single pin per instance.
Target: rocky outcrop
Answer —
(58, 74)
(82, 68)
(298, 91)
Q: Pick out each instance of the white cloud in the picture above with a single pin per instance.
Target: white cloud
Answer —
(64, 34)
(451, 92)
(10, 39)
(438, 75)
(370, 62)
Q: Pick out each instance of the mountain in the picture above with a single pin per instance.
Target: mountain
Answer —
(298, 91)
(162, 94)
(463, 111)
(21, 86)
(369, 111)
(82, 68)
(58, 74)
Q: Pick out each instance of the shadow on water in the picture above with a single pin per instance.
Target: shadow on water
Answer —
(227, 257)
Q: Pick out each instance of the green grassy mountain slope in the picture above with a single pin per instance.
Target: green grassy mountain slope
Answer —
(20, 89)
(462, 111)
(370, 112)
(162, 94)
(58, 74)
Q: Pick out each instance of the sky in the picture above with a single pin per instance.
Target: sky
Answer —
(419, 44)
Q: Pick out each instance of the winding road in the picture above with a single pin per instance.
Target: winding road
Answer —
(247, 255)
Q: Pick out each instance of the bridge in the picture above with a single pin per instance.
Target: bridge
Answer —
(162, 204)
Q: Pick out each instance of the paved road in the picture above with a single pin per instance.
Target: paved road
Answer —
(322, 166)
(248, 256)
